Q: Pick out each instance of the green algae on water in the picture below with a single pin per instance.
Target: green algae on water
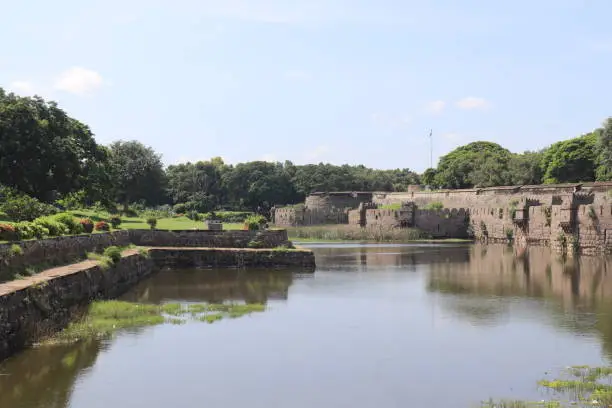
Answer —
(105, 318)
(579, 386)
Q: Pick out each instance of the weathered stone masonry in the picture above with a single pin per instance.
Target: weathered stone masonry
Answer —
(572, 218)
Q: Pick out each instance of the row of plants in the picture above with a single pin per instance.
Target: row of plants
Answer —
(52, 226)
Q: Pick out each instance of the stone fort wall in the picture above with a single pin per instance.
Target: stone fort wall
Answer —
(572, 218)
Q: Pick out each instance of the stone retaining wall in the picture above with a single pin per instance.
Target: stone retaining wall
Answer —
(67, 249)
(207, 238)
(232, 258)
(36, 307)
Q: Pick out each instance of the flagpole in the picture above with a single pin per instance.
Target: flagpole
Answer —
(430, 148)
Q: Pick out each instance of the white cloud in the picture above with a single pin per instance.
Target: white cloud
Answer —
(24, 88)
(79, 81)
(297, 75)
(472, 102)
(435, 106)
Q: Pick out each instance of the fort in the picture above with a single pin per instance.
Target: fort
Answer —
(570, 218)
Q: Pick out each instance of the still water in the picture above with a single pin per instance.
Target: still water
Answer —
(375, 326)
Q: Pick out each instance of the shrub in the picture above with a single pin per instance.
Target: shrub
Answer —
(102, 226)
(152, 221)
(70, 222)
(228, 216)
(73, 201)
(114, 253)
(87, 224)
(7, 232)
(16, 250)
(436, 205)
(25, 208)
(194, 216)
(115, 221)
(54, 227)
(180, 208)
(30, 230)
(254, 222)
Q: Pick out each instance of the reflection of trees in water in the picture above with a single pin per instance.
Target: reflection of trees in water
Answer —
(214, 286)
(359, 259)
(578, 291)
(43, 377)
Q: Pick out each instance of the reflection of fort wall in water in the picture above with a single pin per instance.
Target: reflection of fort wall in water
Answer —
(536, 271)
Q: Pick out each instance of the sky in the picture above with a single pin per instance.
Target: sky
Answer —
(338, 81)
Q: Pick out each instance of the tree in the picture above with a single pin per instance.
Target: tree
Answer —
(471, 165)
(43, 151)
(198, 184)
(259, 184)
(571, 161)
(604, 146)
(137, 173)
(526, 169)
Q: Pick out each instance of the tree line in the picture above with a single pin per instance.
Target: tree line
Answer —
(55, 158)
(484, 164)
(46, 154)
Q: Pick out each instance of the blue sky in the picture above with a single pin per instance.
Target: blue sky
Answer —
(340, 81)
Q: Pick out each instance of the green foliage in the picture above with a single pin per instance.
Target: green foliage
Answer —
(393, 206)
(604, 147)
(115, 221)
(52, 225)
(180, 208)
(480, 164)
(42, 149)
(25, 208)
(114, 253)
(254, 222)
(228, 216)
(74, 200)
(16, 250)
(592, 213)
(71, 223)
(354, 233)
(193, 216)
(7, 232)
(152, 221)
(509, 234)
(30, 230)
(137, 172)
(436, 205)
(570, 161)
(526, 169)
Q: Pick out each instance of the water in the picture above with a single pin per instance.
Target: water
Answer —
(375, 326)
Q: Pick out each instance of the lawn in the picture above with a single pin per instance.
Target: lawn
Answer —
(175, 223)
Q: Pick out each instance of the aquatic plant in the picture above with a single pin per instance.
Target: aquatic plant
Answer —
(104, 318)
(579, 386)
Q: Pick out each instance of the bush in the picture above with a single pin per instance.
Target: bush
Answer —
(115, 221)
(229, 217)
(25, 208)
(194, 216)
(54, 227)
(30, 230)
(73, 201)
(254, 222)
(152, 221)
(102, 226)
(114, 253)
(7, 232)
(71, 223)
(436, 205)
(180, 208)
(87, 224)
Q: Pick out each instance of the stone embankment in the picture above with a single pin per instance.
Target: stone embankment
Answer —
(38, 306)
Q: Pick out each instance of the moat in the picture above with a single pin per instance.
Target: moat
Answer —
(376, 326)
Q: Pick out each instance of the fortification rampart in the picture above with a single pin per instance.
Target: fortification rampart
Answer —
(571, 218)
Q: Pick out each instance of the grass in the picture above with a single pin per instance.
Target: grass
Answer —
(393, 206)
(580, 386)
(353, 233)
(174, 223)
(105, 318)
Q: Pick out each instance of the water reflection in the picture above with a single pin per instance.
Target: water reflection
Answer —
(216, 286)
(44, 377)
(498, 280)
